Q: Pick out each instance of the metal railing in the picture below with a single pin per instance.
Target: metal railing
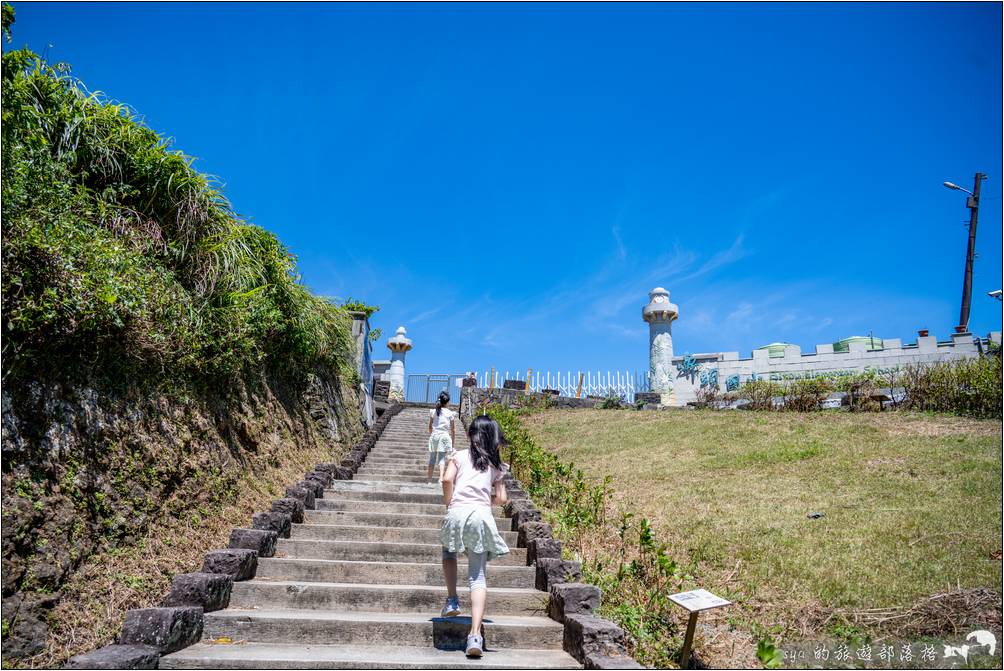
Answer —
(425, 388)
(623, 383)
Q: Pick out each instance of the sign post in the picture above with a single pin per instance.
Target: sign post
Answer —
(578, 391)
(529, 374)
(694, 602)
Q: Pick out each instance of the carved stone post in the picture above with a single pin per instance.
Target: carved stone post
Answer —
(398, 346)
(660, 314)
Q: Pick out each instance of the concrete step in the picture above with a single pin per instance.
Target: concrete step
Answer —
(377, 496)
(391, 573)
(363, 506)
(386, 477)
(401, 451)
(398, 487)
(379, 629)
(403, 469)
(340, 532)
(380, 519)
(299, 656)
(378, 551)
(429, 599)
(379, 462)
(419, 459)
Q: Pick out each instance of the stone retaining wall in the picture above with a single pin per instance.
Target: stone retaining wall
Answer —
(149, 633)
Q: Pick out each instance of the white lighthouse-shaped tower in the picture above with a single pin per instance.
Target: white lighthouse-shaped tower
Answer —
(660, 315)
(398, 345)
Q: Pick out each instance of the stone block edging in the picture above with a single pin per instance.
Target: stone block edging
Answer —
(149, 633)
(595, 642)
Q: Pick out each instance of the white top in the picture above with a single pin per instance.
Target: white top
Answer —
(443, 421)
(473, 487)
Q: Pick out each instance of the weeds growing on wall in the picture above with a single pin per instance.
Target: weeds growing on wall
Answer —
(619, 552)
(120, 259)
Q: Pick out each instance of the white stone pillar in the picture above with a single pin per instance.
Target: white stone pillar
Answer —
(398, 346)
(660, 314)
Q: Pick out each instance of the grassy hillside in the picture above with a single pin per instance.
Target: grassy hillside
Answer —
(911, 507)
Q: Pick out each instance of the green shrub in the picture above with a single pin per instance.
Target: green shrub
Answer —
(612, 401)
(120, 259)
(760, 394)
(806, 395)
(961, 386)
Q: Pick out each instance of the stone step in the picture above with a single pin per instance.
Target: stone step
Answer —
(379, 629)
(386, 477)
(381, 519)
(429, 599)
(418, 460)
(405, 469)
(377, 551)
(364, 506)
(401, 451)
(377, 496)
(418, 488)
(379, 462)
(340, 532)
(299, 656)
(391, 573)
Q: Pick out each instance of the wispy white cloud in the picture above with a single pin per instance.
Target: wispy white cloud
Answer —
(721, 259)
(422, 316)
(621, 251)
(742, 313)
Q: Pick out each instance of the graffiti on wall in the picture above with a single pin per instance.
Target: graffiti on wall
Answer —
(688, 368)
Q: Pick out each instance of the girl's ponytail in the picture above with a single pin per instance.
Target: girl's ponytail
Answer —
(444, 400)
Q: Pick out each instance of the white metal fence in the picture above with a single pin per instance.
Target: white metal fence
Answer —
(623, 383)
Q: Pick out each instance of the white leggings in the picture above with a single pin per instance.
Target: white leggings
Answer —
(477, 568)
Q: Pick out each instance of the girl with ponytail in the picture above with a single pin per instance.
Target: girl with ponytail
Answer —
(472, 485)
(442, 434)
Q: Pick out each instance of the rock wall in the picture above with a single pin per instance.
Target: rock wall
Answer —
(86, 470)
(472, 398)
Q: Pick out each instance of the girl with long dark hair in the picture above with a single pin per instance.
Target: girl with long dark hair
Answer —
(472, 484)
(442, 434)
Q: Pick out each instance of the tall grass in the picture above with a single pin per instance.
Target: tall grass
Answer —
(120, 258)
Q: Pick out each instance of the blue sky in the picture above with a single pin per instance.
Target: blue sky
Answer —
(509, 181)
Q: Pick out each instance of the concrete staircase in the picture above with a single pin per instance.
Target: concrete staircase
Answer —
(359, 584)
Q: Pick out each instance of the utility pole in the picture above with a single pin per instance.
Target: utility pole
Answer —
(973, 203)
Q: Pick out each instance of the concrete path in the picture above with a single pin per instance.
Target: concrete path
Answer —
(359, 584)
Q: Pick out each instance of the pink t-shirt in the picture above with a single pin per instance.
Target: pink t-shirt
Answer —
(471, 486)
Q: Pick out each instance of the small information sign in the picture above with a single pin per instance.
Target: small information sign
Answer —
(698, 599)
(695, 601)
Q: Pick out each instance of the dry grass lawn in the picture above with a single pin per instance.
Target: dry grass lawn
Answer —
(911, 503)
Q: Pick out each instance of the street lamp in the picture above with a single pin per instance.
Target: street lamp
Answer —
(973, 203)
(957, 187)
(999, 295)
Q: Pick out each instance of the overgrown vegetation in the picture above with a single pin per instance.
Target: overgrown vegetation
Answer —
(120, 259)
(157, 351)
(619, 551)
(967, 387)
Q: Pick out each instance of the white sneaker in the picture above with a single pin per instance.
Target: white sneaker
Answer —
(475, 645)
(452, 607)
